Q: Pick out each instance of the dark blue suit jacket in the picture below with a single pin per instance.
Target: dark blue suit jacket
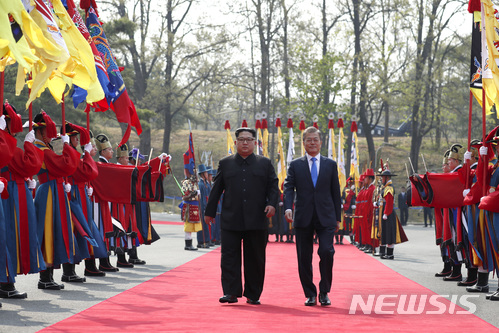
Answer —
(325, 197)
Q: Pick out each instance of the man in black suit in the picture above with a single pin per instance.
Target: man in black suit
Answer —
(317, 208)
(251, 193)
(404, 209)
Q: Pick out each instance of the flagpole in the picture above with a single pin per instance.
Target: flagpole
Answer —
(2, 81)
(63, 107)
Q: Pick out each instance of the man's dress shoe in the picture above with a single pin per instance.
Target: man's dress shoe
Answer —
(228, 299)
(324, 299)
(311, 301)
(255, 302)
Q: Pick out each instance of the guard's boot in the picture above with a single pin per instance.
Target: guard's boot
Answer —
(8, 290)
(337, 238)
(446, 271)
(122, 262)
(456, 274)
(91, 269)
(471, 279)
(188, 245)
(47, 280)
(368, 249)
(482, 284)
(105, 265)
(389, 253)
(382, 251)
(69, 274)
(133, 257)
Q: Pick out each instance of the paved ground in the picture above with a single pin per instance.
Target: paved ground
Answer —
(417, 259)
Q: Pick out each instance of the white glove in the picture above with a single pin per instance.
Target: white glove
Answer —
(2, 186)
(465, 192)
(67, 188)
(3, 123)
(375, 204)
(88, 147)
(467, 156)
(483, 150)
(31, 184)
(30, 137)
(353, 206)
(281, 204)
(90, 191)
(352, 187)
(163, 156)
(385, 217)
(65, 139)
(342, 206)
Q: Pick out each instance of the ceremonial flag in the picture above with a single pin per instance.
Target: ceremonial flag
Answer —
(302, 128)
(123, 106)
(265, 137)
(341, 156)
(189, 157)
(230, 141)
(281, 163)
(16, 27)
(331, 152)
(259, 137)
(291, 144)
(489, 54)
(354, 156)
(79, 95)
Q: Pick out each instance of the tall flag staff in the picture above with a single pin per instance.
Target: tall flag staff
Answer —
(291, 143)
(302, 128)
(341, 154)
(331, 152)
(265, 135)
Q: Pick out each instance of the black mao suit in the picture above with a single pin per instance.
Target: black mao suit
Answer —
(316, 209)
(250, 185)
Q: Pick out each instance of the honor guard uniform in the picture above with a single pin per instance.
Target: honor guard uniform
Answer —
(203, 236)
(19, 210)
(367, 215)
(102, 214)
(80, 204)
(190, 209)
(391, 229)
(51, 201)
(348, 199)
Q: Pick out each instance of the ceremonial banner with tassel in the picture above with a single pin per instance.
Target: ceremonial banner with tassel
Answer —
(281, 163)
(490, 76)
(302, 128)
(291, 144)
(331, 152)
(265, 136)
(259, 139)
(354, 158)
(123, 105)
(341, 156)
(230, 142)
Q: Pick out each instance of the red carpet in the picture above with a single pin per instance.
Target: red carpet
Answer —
(185, 299)
(167, 222)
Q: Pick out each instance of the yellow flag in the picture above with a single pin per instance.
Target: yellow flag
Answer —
(490, 75)
(341, 160)
(281, 164)
(230, 143)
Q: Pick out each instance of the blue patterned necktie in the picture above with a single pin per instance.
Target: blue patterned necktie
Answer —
(313, 171)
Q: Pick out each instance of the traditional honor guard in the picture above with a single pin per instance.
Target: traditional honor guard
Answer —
(348, 199)
(124, 213)
(19, 209)
(215, 228)
(391, 231)
(370, 244)
(450, 217)
(80, 205)
(55, 228)
(102, 214)
(190, 208)
(203, 236)
(99, 251)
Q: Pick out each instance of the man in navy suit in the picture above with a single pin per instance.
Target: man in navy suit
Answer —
(317, 204)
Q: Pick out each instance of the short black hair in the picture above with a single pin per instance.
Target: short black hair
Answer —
(246, 129)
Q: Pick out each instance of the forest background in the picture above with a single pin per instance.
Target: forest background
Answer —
(382, 62)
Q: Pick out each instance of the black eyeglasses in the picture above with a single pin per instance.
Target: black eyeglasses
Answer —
(245, 139)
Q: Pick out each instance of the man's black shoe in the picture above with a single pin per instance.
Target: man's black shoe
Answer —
(311, 301)
(94, 273)
(73, 278)
(479, 289)
(12, 294)
(50, 285)
(453, 278)
(228, 299)
(442, 274)
(250, 301)
(324, 299)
